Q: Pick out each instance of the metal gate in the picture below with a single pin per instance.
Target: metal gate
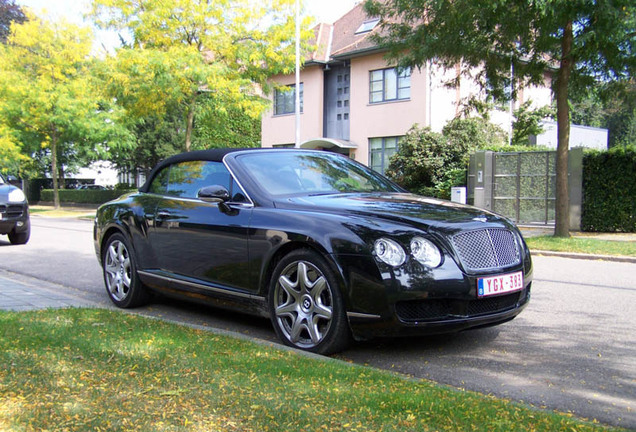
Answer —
(524, 186)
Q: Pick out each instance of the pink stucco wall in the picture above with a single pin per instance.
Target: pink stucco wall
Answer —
(281, 129)
(432, 103)
(383, 119)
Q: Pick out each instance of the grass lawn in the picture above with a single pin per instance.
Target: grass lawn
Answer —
(102, 370)
(582, 245)
(62, 212)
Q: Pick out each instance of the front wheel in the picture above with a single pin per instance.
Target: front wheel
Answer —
(20, 238)
(306, 307)
(120, 274)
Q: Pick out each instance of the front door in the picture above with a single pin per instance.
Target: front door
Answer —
(201, 241)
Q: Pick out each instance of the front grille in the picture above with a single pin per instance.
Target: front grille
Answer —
(487, 249)
(442, 309)
(14, 211)
(11, 211)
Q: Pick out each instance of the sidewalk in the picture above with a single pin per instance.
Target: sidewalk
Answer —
(21, 293)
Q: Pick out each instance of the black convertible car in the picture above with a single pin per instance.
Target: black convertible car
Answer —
(14, 213)
(325, 247)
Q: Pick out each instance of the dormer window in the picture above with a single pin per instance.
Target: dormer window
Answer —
(367, 26)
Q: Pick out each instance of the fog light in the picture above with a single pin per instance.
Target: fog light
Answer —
(20, 224)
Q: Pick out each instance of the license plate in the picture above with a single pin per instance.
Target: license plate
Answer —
(501, 284)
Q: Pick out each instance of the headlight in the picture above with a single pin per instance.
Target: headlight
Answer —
(425, 252)
(390, 252)
(16, 195)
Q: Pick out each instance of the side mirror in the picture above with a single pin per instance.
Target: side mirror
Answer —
(215, 193)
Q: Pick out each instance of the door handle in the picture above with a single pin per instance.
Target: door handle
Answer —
(162, 215)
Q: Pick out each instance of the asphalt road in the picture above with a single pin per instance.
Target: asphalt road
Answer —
(573, 349)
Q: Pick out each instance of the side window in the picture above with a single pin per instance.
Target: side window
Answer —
(185, 179)
(159, 184)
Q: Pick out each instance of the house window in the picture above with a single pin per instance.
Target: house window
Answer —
(285, 100)
(367, 26)
(380, 151)
(389, 85)
(284, 146)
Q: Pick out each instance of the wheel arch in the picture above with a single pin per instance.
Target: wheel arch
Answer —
(286, 249)
(107, 234)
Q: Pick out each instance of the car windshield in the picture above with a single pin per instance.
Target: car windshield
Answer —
(283, 173)
(1, 180)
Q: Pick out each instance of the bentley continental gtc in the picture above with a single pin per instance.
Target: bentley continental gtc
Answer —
(326, 248)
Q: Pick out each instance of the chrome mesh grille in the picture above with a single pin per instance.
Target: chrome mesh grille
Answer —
(487, 249)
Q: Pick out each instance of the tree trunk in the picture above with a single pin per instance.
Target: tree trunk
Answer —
(56, 190)
(562, 226)
(61, 184)
(190, 123)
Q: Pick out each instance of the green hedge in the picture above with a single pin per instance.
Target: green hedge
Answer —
(83, 196)
(609, 190)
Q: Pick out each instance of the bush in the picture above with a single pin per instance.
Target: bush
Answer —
(609, 190)
(420, 160)
(429, 163)
(83, 196)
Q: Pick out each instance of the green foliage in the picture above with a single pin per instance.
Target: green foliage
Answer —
(219, 126)
(83, 196)
(420, 161)
(527, 34)
(609, 190)
(10, 12)
(49, 101)
(429, 163)
(192, 58)
(451, 178)
(528, 122)
(469, 134)
(610, 105)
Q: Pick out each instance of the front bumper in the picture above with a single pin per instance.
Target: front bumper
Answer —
(14, 217)
(413, 301)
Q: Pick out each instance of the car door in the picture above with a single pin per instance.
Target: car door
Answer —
(201, 242)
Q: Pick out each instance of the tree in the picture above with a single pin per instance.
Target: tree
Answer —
(183, 49)
(580, 40)
(48, 97)
(610, 105)
(9, 13)
(528, 122)
(10, 151)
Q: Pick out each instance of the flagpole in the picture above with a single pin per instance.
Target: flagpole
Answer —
(297, 92)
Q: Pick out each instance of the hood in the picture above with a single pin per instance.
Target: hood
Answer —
(408, 208)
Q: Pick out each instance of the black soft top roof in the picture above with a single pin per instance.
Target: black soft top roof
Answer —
(213, 155)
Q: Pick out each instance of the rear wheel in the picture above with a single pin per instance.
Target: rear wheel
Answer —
(306, 307)
(20, 238)
(120, 274)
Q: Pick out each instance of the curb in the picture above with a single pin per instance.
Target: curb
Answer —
(574, 255)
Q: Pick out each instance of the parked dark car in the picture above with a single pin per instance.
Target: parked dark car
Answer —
(91, 187)
(322, 245)
(14, 213)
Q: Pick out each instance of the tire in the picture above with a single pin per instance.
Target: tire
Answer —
(120, 274)
(17, 238)
(306, 306)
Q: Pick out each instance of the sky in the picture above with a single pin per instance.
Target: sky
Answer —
(324, 10)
